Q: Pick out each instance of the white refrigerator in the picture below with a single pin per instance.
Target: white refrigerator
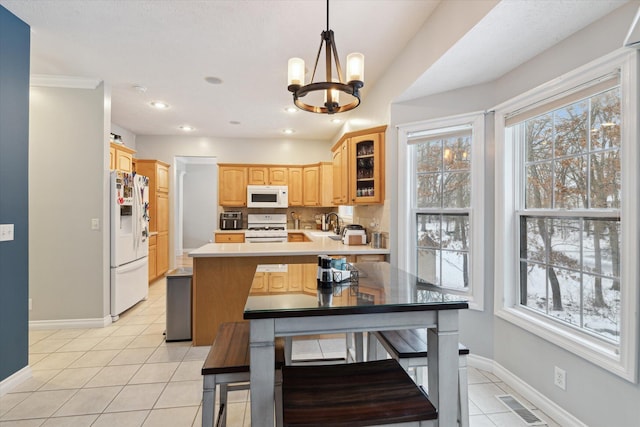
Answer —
(129, 240)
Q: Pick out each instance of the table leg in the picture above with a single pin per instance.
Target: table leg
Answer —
(262, 349)
(443, 356)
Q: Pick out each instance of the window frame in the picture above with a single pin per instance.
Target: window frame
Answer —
(407, 247)
(621, 359)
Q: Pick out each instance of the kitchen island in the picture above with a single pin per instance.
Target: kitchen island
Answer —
(223, 274)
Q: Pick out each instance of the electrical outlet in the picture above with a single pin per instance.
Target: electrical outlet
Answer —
(560, 378)
(95, 223)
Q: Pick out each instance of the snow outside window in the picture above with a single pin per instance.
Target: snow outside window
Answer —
(563, 164)
(441, 238)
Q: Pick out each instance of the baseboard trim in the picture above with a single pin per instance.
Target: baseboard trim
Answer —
(550, 408)
(70, 323)
(14, 380)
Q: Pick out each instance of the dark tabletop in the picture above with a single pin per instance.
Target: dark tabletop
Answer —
(378, 288)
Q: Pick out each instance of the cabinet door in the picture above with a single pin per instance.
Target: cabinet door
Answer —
(325, 184)
(124, 161)
(277, 282)
(310, 179)
(258, 175)
(366, 172)
(162, 212)
(152, 258)
(232, 186)
(259, 284)
(112, 158)
(295, 277)
(295, 187)
(278, 176)
(162, 256)
(162, 177)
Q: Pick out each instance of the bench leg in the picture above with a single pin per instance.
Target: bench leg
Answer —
(208, 400)
(224, 394)
(278, 398)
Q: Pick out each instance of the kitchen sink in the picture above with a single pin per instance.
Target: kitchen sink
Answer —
(334, 237)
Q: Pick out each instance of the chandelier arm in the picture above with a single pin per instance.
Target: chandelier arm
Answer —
(315, 66)
(334, 48)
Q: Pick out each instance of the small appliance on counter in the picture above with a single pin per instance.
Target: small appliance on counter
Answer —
(231, 220)
(354, 234)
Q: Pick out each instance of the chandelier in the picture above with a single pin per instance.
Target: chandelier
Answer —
(331, 87)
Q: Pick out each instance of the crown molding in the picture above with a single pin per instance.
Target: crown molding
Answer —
(45, 80)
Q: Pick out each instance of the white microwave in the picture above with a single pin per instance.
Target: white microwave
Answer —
(267, 196)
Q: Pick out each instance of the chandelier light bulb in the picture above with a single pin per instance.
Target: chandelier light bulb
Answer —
(355, 67)
(296, 72)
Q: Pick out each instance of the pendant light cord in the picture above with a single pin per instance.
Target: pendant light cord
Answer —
(327, 15)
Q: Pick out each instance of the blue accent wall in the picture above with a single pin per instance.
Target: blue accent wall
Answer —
(14, 196)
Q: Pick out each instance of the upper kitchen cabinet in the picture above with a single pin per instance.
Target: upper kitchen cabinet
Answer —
(358, 159)
(317, 183)
(263, 175)
(295, 186)
(158, 173)
(340, 162)
(232, 185)
(121, 157)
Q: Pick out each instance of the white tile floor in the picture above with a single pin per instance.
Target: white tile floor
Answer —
(126, 375)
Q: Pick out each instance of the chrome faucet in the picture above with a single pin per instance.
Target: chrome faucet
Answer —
(336, 228)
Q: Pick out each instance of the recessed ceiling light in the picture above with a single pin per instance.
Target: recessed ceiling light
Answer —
(160, 105)
(290, 109)
(336, 120)
(234, 122)
(288, 131)
(139, 88)
(213, 80)
(187, 128)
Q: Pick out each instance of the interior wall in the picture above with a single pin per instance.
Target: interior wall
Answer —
(230, 150)
(528, 357)
(67, 258)
(14, 201)
(200, 205)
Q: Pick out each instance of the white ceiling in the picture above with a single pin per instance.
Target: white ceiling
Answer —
(170, 46)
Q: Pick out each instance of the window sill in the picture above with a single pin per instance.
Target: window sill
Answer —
(595, 351)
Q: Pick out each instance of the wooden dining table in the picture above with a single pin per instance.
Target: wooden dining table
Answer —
(375, 296)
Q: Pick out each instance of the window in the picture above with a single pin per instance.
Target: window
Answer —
(442, 196)
(566, 207)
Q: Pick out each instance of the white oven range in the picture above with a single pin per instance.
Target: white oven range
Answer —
(266, 228)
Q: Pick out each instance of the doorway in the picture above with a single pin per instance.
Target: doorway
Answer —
(196, 202)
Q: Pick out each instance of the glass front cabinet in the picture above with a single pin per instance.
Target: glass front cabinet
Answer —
(364, 169)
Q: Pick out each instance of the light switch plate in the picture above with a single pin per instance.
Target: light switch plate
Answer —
(6, 232)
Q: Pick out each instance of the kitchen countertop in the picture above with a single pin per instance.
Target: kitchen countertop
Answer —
(320, 244)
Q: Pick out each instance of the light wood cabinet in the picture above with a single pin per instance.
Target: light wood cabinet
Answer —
(152, 256)
(158, 174)
(121, 157)
(318, 185)
(232, 185)
(266, 175)
(309, 185)
(295, 186)
(229, 237)
(297, 237)
(358, 159)
(340, 166)
(270, 282)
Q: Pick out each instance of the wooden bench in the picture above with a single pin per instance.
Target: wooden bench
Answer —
(409, 348)
(354, 394)
(227, 364)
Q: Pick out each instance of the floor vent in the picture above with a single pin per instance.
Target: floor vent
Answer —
(518, 408)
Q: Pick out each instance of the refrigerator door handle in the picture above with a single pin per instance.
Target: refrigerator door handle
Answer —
(132, 266)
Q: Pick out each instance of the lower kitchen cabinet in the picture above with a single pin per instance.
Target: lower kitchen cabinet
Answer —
(229, 237)
(152, 257)
(162, 256)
